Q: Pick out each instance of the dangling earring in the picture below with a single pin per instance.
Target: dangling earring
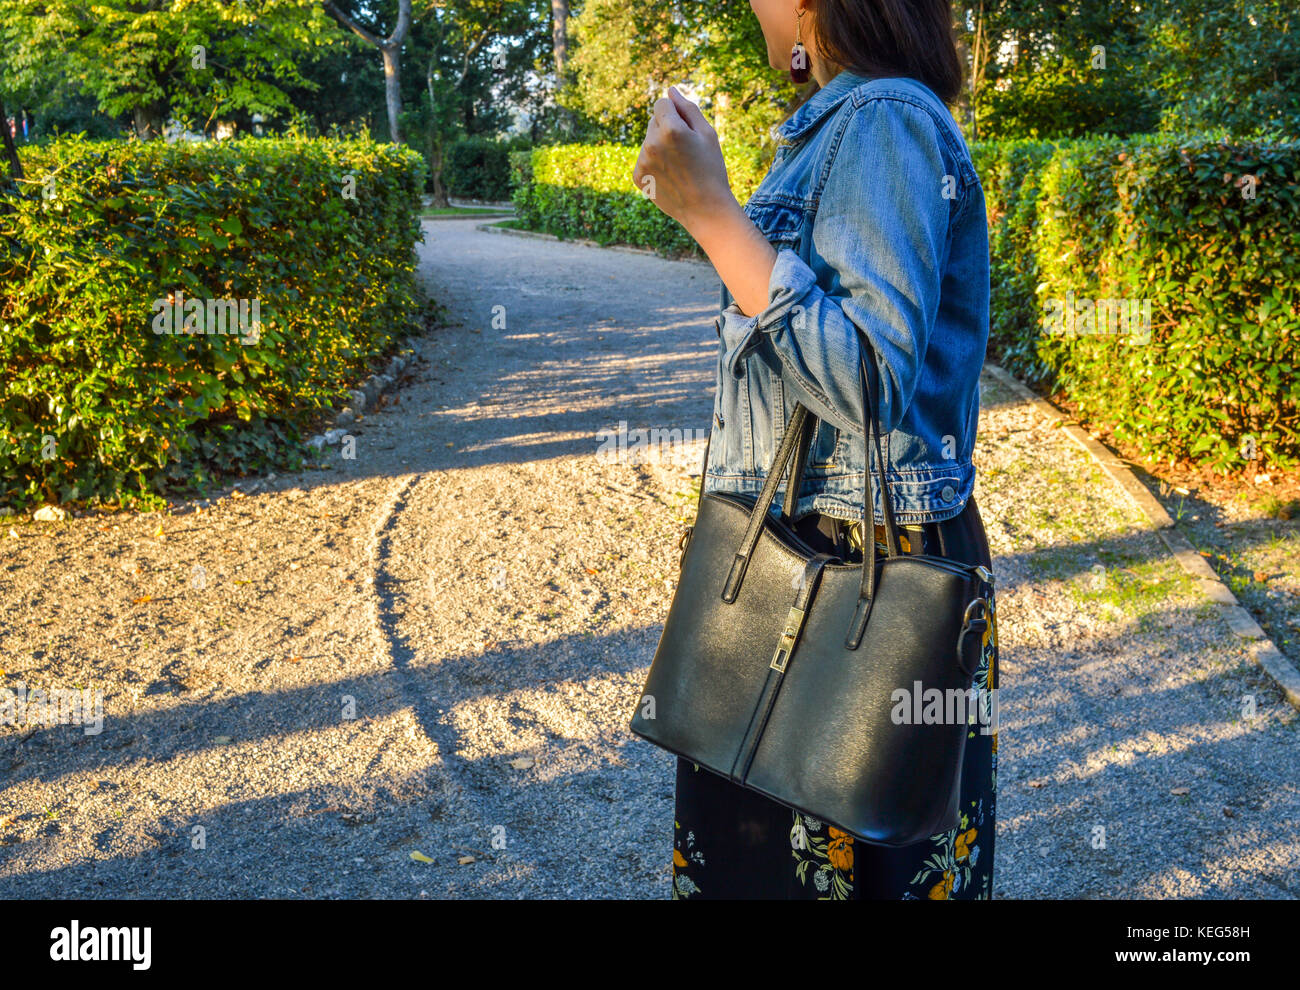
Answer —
(799, 54)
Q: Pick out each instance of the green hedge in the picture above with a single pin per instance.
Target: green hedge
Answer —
(586, 191)
(478, 168)
(1166, 223)
(93, 402)
(1154, 221)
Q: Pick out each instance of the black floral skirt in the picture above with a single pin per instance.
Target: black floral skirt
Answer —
(730, 842)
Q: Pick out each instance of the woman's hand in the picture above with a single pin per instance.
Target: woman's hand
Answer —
(681, 169)
(680, 166)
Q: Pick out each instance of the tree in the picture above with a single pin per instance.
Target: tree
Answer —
(626, 55)
(560, 40)
(1049, 70)
(1249, 49)
(390, 49)
(152, 60)
(479, 68)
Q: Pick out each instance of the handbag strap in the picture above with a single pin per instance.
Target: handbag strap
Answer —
(867, 590)
(758, 515)
(792, 440)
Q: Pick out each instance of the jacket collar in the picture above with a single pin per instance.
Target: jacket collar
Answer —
(819, 105)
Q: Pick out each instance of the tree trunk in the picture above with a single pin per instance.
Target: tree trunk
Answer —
(434, 142)
(11, 152)
(148, 123)
(560, 39)
(391, 50)
(435, 159)
(393, 88)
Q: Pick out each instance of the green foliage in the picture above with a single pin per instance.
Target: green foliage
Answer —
(104, 229)
(198, 60)
(1246, 50)
(1170, 223)
(627, 54)
(479, 168)
(586, 191)
(1055, 70)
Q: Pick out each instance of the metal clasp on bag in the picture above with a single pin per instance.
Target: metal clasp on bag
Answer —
(793, 623)
(970, 625)
(682, 544)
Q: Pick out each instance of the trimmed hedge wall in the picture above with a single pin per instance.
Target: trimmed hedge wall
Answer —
(1205, 234)
(586, 191)
(1202, 236)
(94, 402)
(478, 168)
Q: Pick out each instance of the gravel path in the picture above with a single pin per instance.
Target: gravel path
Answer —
(434, 648)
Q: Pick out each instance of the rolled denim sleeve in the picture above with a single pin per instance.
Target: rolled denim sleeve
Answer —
(881, 232)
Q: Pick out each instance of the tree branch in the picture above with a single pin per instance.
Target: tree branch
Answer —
(367, 36)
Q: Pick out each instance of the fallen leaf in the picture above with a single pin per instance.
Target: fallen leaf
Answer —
(1260, 577)
(420, 857)
(142, 599)
(1179, 791)
(221, 740)
(465, 860)
(1035, 783)
(158, 532)
(522, 762)
(295, 659)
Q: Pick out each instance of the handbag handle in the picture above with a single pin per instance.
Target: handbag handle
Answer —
(792, 441)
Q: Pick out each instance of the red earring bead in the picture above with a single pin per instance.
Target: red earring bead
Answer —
(799, 70)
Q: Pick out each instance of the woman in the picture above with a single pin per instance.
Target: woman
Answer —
(869, 225)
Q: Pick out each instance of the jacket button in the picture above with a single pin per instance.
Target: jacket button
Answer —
(948, 494)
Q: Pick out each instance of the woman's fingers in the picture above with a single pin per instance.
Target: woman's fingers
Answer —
(667, 117)
(690, 114)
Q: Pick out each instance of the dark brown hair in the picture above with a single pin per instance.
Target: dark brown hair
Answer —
(891, 38)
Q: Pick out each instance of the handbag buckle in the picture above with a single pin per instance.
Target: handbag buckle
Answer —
(793, 623)
(682, 544)
(970, 625)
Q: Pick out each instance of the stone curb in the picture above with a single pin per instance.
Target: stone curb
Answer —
(360, 399)
(1275, 663)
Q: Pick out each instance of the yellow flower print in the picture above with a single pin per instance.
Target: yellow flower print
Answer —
(678, 859)
(942, 890)
(840, 849)
(962, 849)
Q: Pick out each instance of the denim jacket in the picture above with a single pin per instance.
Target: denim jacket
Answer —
(878, 220)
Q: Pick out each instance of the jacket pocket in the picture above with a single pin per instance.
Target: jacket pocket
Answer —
(826, 447)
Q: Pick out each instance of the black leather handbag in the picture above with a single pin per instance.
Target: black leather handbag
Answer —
(779, 667)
